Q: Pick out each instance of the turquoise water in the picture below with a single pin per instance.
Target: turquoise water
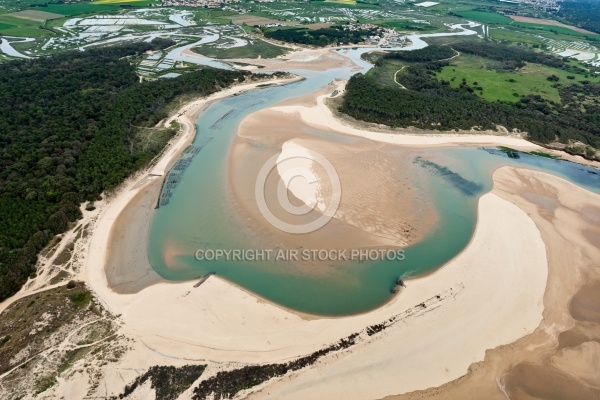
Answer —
(199, 216)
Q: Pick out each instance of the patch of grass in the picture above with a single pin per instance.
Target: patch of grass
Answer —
(258, 48)
(140, 3)
(409, 26)
(71, 357)
(47, 252)
(80, 8)
(35, 15)
(512, 36)
(80, 298)
(508, 86)
(520, 33)
(63, 257)
(5, 26)
(45, 383)
(486, 17)
(553, 29)
(59, 277)
(29, 323)
(21, 27)
(152, 139)
(385, 73)
(26, 31)
(213, 15)
(346, 2)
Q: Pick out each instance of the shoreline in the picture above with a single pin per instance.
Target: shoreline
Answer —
(508, 314)
(157, 317)
(219, 295)
(147, 190)
(127, 302)
(542, 363)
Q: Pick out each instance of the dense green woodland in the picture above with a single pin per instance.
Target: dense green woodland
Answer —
(318, 37)
(432, 104)
(510, 57)
(69, 129)
(429, 53)
(583, 13)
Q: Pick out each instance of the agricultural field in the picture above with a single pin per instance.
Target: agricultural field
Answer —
(210, 16)
(13, 26)
(79, 8)
(7, 6)
(256, 20)
(508, 86)
(34, 15)
(58, 27)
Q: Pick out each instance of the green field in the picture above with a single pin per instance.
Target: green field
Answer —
(346, 2)
(486, 17)
(11, 25)
(408, 26)
(552, 29)
(137, 3)
(507, 86)
(79, 8)
(516, 34)
(34, 15)
(21, 27)
(384, 73)
(258, 48)
(508, 34)
(212, 15)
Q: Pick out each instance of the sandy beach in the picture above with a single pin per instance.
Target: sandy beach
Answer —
(557, 360)
(492, 295)
(505, 314)
(127, 267)
(492, 268)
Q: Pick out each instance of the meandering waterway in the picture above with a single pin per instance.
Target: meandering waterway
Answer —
(202, 215)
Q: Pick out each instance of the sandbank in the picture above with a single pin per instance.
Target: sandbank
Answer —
(555, 361)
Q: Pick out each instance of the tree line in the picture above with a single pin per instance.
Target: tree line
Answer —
(67, 133)
(319, 37)
(511, 56)
(583, 13)
(429, 53)
(433, 104)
